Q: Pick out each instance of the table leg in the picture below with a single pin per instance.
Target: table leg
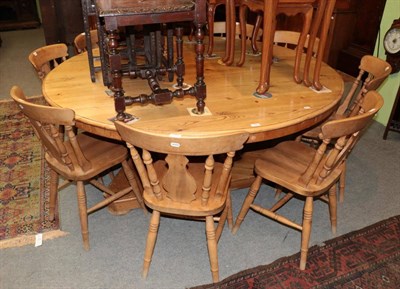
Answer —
(200, 84)
(116, 73)
(128, 202)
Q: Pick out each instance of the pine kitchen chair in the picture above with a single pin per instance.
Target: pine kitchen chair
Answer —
(80, 158)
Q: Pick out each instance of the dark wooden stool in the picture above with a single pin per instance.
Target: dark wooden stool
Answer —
(123, 15)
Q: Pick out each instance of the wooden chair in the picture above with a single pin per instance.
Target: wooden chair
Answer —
(373, 71)
(197, 189)
(45, 58)
(79, 158)
(287, 7)
(80, 41)
(309, 172)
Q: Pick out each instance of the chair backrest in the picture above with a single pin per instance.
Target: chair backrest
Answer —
(344, 133)
(45, 58)
(373, 71)
(290, 39)
(249, 32)
(80, 41)
(220, 30)
(178, 181)
(63, 153)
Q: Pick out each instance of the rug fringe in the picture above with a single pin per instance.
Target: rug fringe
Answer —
(30, 239)
(33, 97)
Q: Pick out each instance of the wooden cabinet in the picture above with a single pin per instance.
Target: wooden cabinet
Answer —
(62, 20)
(352, 34)
(18, 14)
(339, 35)
(361, 32)
(394, 119)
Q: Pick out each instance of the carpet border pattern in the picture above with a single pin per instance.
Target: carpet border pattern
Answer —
(366, 258)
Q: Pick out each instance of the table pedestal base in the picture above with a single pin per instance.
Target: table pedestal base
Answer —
(243, 170)
(123, 205)
(128, 202)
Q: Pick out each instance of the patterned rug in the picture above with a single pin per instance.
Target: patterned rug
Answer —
(368, 258)
(24, 181)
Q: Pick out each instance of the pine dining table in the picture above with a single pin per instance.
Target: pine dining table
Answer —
(231, 105)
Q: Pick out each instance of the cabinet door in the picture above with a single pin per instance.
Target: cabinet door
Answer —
(367, 19)
(62, 20)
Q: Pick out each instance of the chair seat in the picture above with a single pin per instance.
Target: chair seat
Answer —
(101, 155)
(284, 163)
(194, 208)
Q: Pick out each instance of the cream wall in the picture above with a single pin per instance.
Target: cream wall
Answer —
(391, 85)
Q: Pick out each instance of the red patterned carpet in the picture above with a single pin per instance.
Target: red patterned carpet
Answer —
(364, 259)
(24, 180)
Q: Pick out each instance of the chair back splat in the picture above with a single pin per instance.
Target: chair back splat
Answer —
(186, 178)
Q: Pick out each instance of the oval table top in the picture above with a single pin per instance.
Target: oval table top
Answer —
(230, 101)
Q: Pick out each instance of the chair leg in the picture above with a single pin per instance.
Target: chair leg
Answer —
(226, 215)
(323, 40)
(210, 19)
(303, 36)
(80, 187)
(306, 231)
(269, 26)
(221, 223)
(333, 208)
(342, 182)
(53, 192)
(212, 248)
(242, 21)
(151, 241)
(230, 33)
(229, 209)
(281, 202)
(254, 34)
(278, 192)
(247, 202)
(133, 182)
